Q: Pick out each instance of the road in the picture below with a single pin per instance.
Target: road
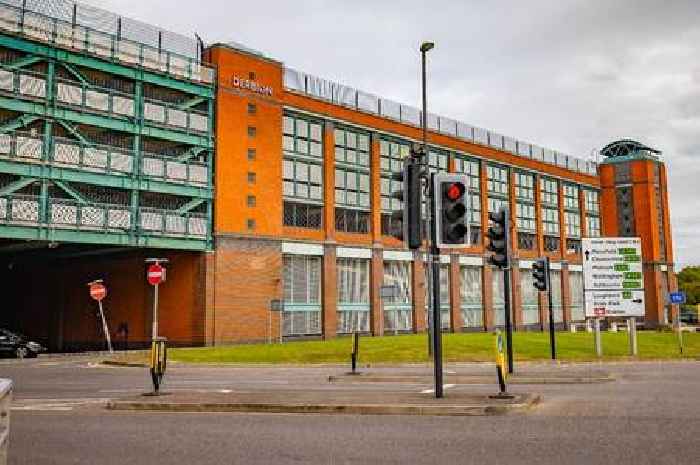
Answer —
(649, 415)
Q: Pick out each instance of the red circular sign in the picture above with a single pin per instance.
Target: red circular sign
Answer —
(98, 291)
(154, 274)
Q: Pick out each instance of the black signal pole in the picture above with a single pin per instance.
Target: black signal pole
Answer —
(434, 251)
(552, 339)
(509, 326)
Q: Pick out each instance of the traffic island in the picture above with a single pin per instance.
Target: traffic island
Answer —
(422, 379)
(332, 402)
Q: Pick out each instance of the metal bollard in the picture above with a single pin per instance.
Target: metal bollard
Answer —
(355, 352)
(5, 402)
(159, 358)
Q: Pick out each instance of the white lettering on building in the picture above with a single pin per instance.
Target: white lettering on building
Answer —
(251, 85)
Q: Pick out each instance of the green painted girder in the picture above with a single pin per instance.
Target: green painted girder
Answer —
(204, 90)
(18, 122)
(40, 110)
(126, 182)
(44, 233)
(16, 185)
(72, 192)
(70, 128)
(26, 61)
(76, 74)
(191, 103)
(189, 206)
(190, 154)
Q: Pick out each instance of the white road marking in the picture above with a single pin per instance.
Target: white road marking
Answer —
(444, 386)
(55, 405)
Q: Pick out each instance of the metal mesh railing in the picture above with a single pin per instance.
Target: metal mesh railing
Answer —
(101, 99)
(102, 158)
(107, 35)
(68, 213)
(342, 95)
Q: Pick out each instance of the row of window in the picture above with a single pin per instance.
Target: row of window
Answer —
(303, 180)
(302, 295)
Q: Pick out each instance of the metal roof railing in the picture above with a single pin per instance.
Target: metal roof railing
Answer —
(88, 29)
(339, 94)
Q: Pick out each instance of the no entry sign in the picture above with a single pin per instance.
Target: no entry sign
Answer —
(98, 291)
(155, 274)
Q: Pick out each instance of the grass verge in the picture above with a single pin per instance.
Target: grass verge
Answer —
(464, 347)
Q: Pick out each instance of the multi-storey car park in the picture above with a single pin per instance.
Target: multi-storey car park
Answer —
(107, 156)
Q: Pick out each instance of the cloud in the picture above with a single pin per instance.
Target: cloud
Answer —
(572, 75)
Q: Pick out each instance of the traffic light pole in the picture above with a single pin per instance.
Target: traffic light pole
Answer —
(436, 313)
(509, 326)
(552, 339)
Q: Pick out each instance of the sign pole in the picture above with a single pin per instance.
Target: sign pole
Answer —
(552, 339)
(155, 311)
(679, 329)
(509, 326)
(632, 332)
(598, 342)
(105, 328)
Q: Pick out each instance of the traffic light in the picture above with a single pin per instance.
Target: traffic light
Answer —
(452, 227)
(406, 223)
(540, 273)
(499, 238)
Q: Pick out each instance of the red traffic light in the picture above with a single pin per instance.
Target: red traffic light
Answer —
(455, 191)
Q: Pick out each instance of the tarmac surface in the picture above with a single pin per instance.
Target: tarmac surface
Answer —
(647, 412)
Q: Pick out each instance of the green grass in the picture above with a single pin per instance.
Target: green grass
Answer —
(456, 347)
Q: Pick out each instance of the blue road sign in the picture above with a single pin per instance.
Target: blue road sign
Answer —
(676, 297)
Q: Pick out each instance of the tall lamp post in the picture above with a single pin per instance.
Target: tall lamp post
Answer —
(434, 252)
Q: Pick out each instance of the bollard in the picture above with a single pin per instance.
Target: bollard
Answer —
(613, 327)
(355, 352)
(159, 358)
(589, 326)
(501, 369)
(5, 402)
(572, 327)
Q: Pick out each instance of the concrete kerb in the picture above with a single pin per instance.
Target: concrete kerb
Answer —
(475, 379)
(521, 403)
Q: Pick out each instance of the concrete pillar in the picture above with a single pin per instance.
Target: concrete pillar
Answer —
(330, 292)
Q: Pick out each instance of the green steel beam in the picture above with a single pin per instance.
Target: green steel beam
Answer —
(77, 74)
(191, 103)
(72, 192)
(72, 129)
(204, 90)
(125, 182)
(44, 233)
(26, 61)
(189, 206)
(190, 154)
(16, 185)
(17, 123)
(40, 110)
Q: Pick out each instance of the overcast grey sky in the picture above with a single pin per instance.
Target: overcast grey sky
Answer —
(571, 75)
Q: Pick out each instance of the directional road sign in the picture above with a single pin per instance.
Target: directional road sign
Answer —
(612, 276)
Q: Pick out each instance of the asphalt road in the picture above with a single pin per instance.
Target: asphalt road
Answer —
(650, 415)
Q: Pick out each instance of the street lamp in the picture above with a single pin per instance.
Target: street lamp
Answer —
(435, 329)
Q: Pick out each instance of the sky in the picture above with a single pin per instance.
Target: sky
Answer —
(569, 75)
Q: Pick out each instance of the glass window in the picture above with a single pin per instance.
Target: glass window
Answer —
(573, 224)
(576, 290)
(471, 297)
(592, 202)
(593, 226)
(549, 192)
(571, 197)
(497, 181)
(301, 277)
(525, 202)
(556, 296)
(550, 221)
(353, 295)
(398, 314)
(303, 159)
(529, 296)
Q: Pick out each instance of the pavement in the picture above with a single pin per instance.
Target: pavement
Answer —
(645, 413)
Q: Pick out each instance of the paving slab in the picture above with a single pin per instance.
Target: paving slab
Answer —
(354, 402)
